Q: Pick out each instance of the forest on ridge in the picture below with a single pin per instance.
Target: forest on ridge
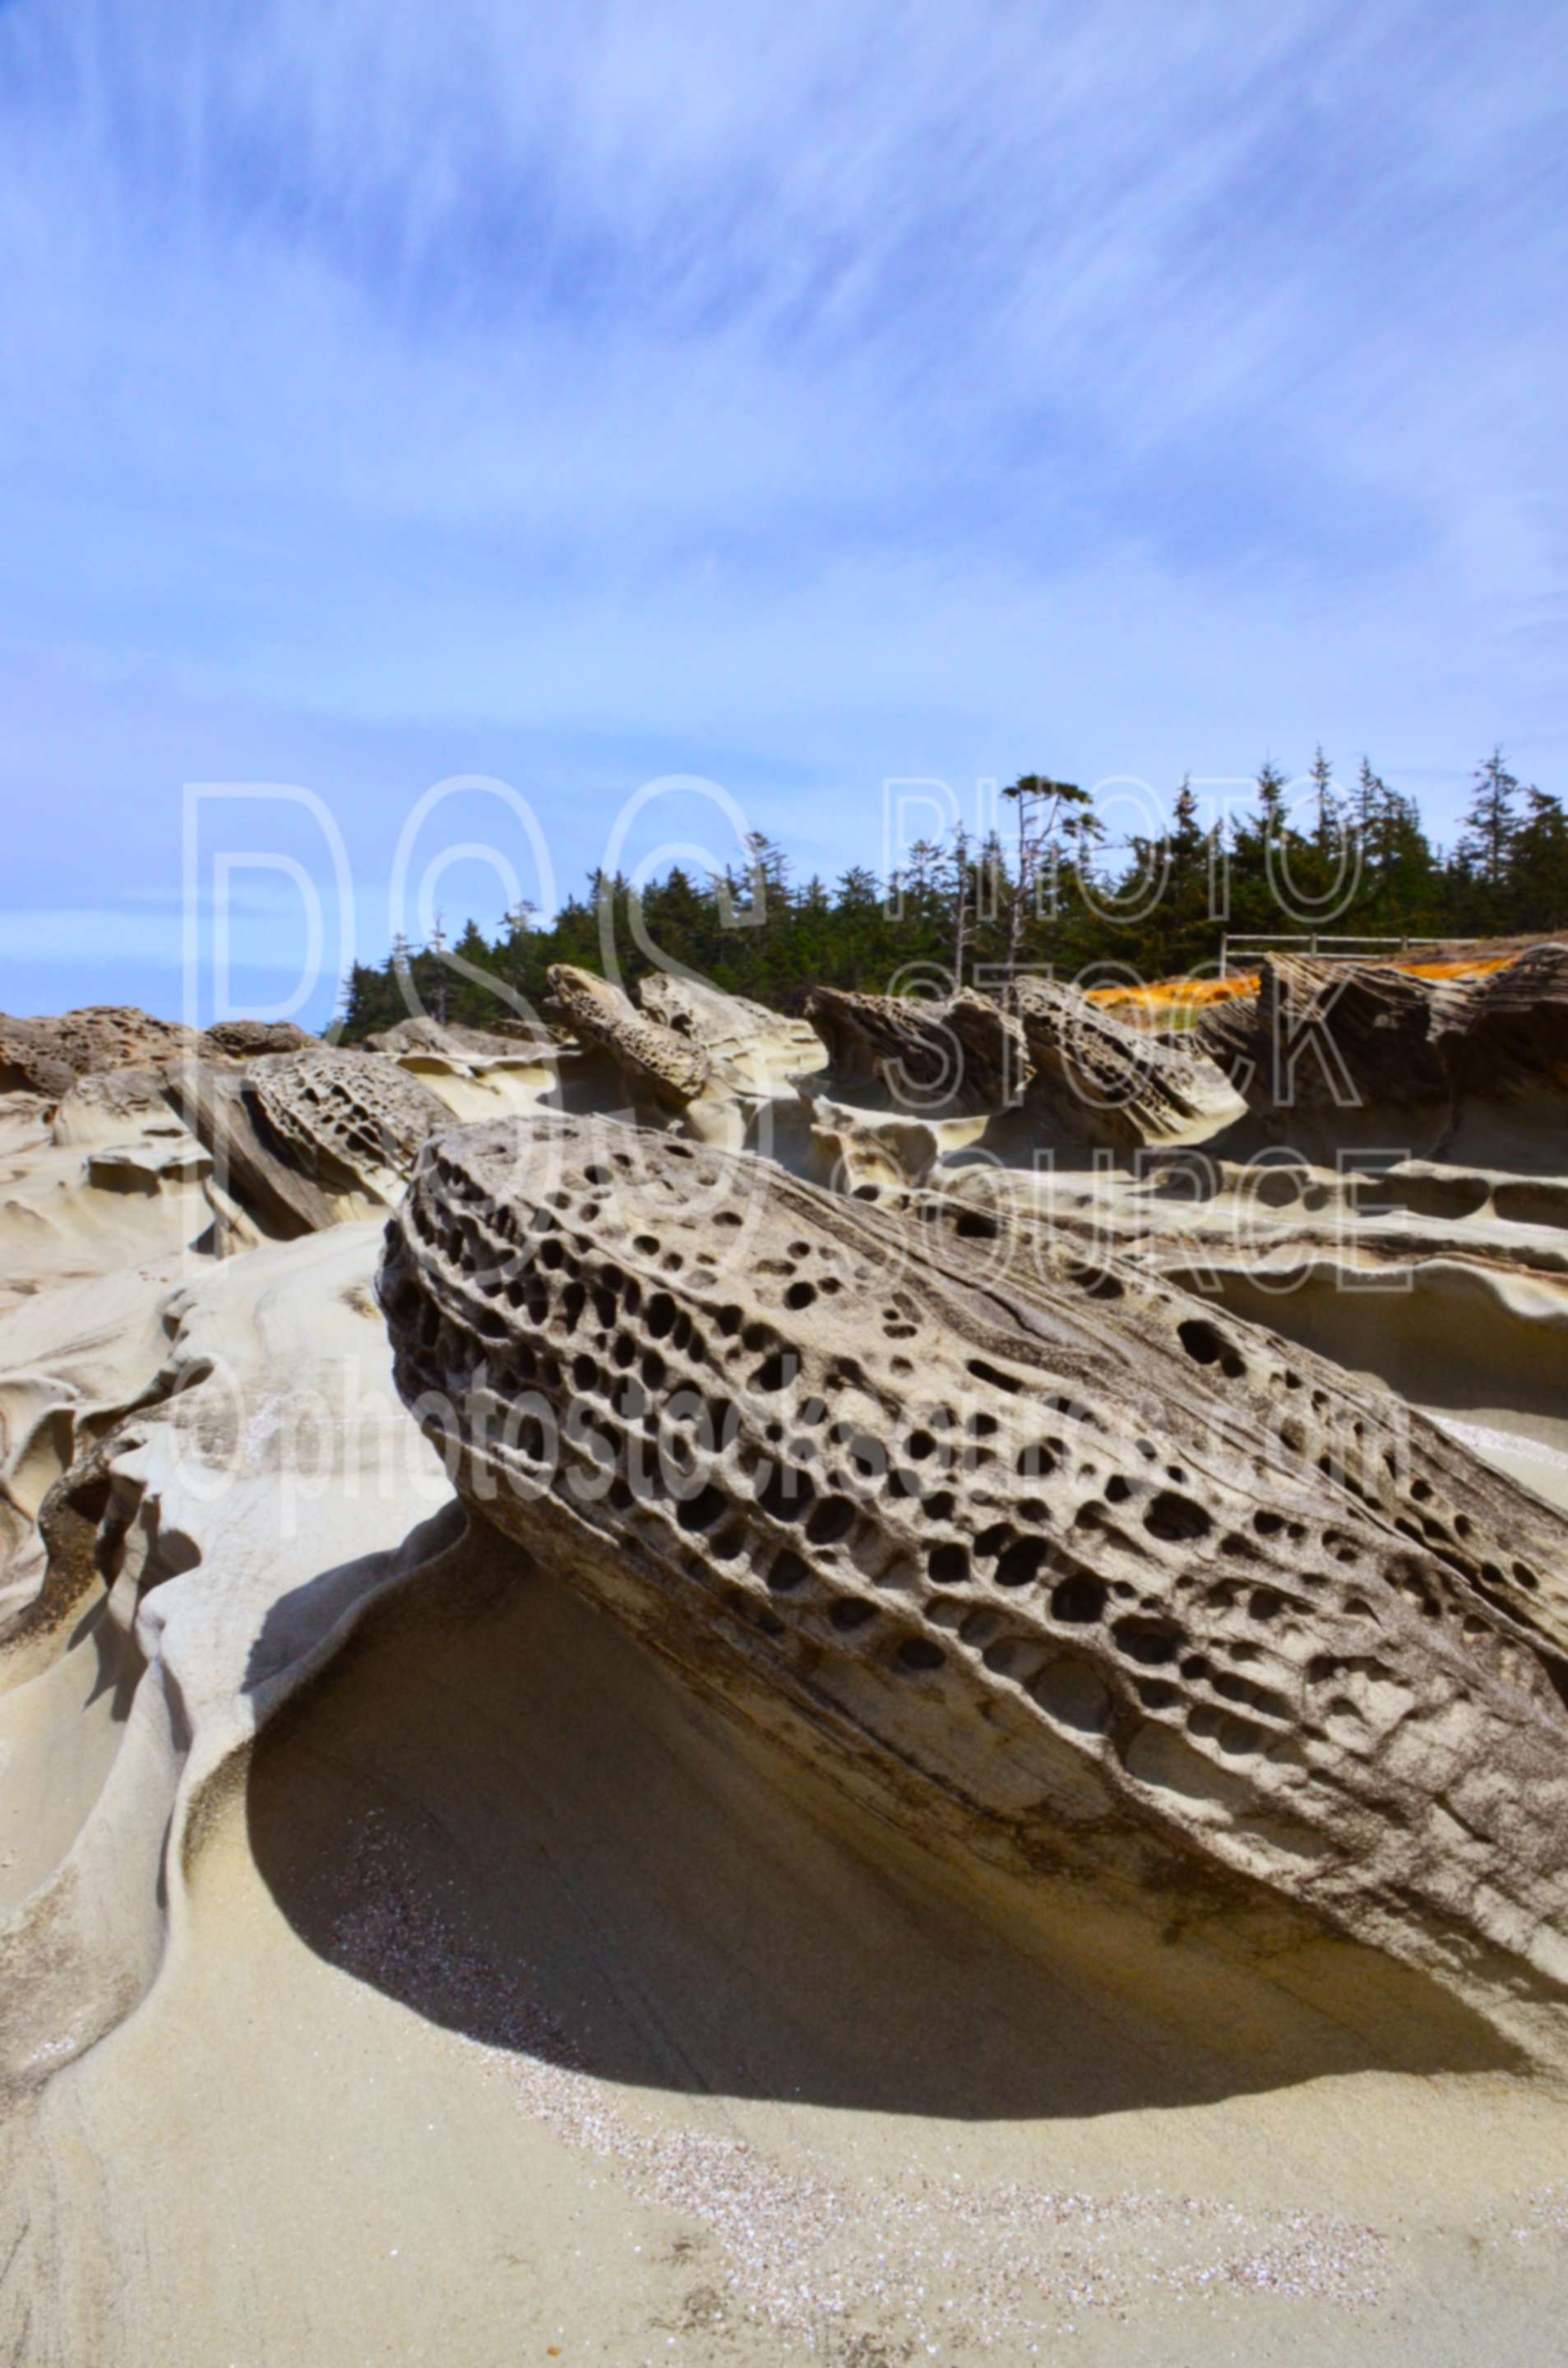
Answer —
(1048, 892)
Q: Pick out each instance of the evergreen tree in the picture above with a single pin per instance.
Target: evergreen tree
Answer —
(1490, 829)
(988, 911)
(1538, 864)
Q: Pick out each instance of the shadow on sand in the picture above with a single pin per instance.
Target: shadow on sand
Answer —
(498, 1809)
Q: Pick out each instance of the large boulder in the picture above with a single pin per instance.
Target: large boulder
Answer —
(1053, 1565)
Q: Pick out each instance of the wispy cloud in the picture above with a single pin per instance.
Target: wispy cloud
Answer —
(582, 393)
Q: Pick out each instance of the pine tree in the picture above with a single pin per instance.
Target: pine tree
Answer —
(1538, 864)
(1490, 829)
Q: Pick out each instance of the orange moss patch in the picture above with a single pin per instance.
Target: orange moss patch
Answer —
(1172, 994)
(1469, 968)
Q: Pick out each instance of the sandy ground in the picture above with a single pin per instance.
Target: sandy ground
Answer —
(395, 1965)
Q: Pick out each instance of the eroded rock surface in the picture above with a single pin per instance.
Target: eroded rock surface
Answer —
(242, 1040)
(302, 1139)
(748, 1039)
(1340, 1053)
(47, 1056)
(961, 1053)
(661, 1069)
(1064, 1568)
(421, 1033)
(1094, 1076)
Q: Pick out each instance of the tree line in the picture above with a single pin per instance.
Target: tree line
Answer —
(1048, 890)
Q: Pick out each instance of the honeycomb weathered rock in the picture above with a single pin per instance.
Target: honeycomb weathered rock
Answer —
(244, 1040)
(750, 1039)
(302, 1139)
(1095, 1076)
(44, 1055)
(350, 1123)
(1054, 1563)
(661, 1069)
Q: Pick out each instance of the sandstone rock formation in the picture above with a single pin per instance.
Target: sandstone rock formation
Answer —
(421, 1033)
(1340, 1054)
(872, 1152)
(302, 1140)
(960, 1053)
(755, 1044)
(1065, 1570)
(242, 1040)
(98, 1107)
(1096, 1077)
(46, 1055)
(664, 1072)
(1075, 1074)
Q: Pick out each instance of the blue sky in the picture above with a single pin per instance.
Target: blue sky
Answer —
(579, 395)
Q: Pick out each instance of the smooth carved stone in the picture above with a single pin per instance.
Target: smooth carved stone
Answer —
(1052, 1563)
(960, 1055)
(1108, 1084)
(659, 1067)
(870, 1152)
(98, 1108)
(302, 1139)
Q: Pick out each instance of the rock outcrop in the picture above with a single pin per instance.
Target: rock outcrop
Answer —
(450, 1039)
(243, 1040)
(960, 1055)
(302, 1140)
(1334, 1054)
(1064, 1570)
(755, 1044)
(47, 1056)
(663, 1072)
(1095, 1078)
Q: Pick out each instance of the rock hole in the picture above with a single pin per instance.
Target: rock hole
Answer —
(701, 1512)
(1072, 1692)
(1150, 1641)
(832, 1519)
(1020, 1563)
(778, 1371)
(1175, 1519)
(919, 1653)
(1080, 1600)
